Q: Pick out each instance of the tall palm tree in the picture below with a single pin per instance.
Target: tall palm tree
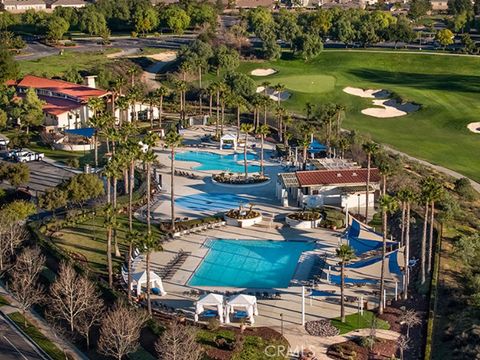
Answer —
(406, 196)
(279, 88)
(181, 89)
(370, 148)
(436, 194)
(132, 72)
(172, 141)
(151, 99)
(246, 128)
(280, 113)
(110, 223)
(96, 105)
(345, 253)
(263, 131)
(211, 90)
(149, 244)
(305, 143)
(123, 105)
(388, 205)
(339, 112)
(239, 103)
(160, 93)
(386, 169)
(309, 110)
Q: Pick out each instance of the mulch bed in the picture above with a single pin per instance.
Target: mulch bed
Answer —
(383, 349)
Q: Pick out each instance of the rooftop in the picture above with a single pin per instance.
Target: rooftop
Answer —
(81, 92)
(22, 2)
(336, 177)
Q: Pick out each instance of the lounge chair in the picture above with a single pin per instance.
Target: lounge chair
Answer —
(240, 315)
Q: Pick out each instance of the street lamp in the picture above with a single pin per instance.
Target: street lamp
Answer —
(358, 204)
(281, 323)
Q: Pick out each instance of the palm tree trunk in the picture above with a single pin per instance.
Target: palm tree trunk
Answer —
(384, 184)
(245, 156)
(218, 113)
(210, 106)
(238, 122)
(109, 256)
(149, 174)
(368, 188)
(342, 289)
(108, 190)
(402, 224)
(265, 115)
(382, 273)
(424, 244)
(150, 111)
(262, 167)
(125, 180)
(223, 118)
(407, 253)
(172, 192)
(430, 240)
(160, 112)
(200, 88)
(149, 303)
(95, 147)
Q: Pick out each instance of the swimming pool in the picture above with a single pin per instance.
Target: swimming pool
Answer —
(249, 263)
(210, 201)
(212, 161)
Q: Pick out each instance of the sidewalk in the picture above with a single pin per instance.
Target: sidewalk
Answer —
(41, 325)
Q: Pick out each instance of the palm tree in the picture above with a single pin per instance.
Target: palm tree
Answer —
(246, 128)
(211, 90)
(426, 186)
(239, 103)
(160, 93)
(149, 158)
(370, 148)
(339, 111)
(173, 140)
(96, 105)
(151, 99)
(263, 131)
(308, 110)
(110, 223)
(305, 143)
(181, 88)
(345, 253)
(385, 168)
(388, 205)
(132, 71)
(149, 244)
(123, 105)
(280, 113)
(406, 196)
(279, 88)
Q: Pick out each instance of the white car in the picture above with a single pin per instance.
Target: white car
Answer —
(29, 156)
(12, 154)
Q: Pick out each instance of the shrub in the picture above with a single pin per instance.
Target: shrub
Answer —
(73, 162)
(213, 324)
(367, 342)
(464, 188)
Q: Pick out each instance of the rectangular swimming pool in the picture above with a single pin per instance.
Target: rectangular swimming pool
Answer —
(249, 263)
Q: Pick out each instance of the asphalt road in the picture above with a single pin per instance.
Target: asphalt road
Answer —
(13, 345)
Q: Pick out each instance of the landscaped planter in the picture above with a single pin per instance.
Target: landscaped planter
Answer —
(239, 181)
(243, 218)
(301, 223)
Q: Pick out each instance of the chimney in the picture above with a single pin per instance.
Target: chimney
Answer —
(90, 81)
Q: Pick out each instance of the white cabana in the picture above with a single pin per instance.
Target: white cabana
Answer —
(209, 300)
(228, 139)
(140, 279)
(247, 303)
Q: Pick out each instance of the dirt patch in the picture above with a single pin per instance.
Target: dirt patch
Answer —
(382, 349)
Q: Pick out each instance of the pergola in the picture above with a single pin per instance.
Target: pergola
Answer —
(228, 139)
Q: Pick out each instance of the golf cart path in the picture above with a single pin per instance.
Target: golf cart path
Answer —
(439, 168)
(150, 73)
(299, 340)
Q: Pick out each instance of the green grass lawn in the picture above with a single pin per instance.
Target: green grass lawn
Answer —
(447, 87)
(357, 321)
(56, 65)
(49, 347)
(90, 240)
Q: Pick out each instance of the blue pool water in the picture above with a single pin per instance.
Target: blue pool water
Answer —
(212, 161)
(249, 263)
(210, 201)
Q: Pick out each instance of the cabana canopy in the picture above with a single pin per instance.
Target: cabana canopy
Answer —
(140, 279)
(315, 147)
(228, 138)
(246, 302)
(214, 300)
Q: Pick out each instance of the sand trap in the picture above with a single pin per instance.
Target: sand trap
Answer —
(390, 108)
(369, 93)
(474, 127)
(274, 94)
(263, 72)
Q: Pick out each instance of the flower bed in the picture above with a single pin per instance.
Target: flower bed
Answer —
(242, 217)
(304, 219)
(232, 179)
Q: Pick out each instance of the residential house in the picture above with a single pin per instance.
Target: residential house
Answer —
(68, 3)
(19, 6)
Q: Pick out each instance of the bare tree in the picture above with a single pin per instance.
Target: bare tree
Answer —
(410, 319)
(120, 331)
(402, 343)
(75, 299)
(87, 319)
(11, 236)
(24, 286)
(179, 342)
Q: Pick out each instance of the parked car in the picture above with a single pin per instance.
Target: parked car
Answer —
(29, 156)
(12, 154)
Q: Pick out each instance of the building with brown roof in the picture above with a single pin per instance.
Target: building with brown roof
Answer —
(68, 3)
(338, 187)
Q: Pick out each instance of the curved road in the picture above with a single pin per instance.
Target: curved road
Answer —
(14, 346)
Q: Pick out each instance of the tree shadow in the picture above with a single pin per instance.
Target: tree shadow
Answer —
(443, 82)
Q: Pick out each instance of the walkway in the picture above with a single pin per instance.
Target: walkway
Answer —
(161, 60)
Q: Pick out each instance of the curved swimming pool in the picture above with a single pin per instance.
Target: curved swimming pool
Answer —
(213, 161)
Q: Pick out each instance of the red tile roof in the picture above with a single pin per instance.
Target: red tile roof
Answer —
(336, 177)
(56, 106)
(64, 87)
(11, 82)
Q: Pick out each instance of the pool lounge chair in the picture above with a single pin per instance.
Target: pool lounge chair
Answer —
(209, 314)
(240, 315)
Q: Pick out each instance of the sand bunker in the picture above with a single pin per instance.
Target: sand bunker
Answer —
(474, 127)
(390, 108)
(263, 72)
(368, 93)
(274, 94)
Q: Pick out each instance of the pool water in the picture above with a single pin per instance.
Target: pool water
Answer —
(249, 263)
(212, 161)
(210, 201)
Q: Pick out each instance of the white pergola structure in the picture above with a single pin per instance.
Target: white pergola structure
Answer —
(139, 279)
(247, 303)
(210, 300)
(228, 138)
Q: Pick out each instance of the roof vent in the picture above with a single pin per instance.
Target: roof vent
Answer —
(354, 174)
(339, 175)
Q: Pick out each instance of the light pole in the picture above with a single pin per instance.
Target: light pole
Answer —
(281, 323)
(358, 204)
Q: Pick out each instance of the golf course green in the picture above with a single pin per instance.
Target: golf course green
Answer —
(446, 87)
